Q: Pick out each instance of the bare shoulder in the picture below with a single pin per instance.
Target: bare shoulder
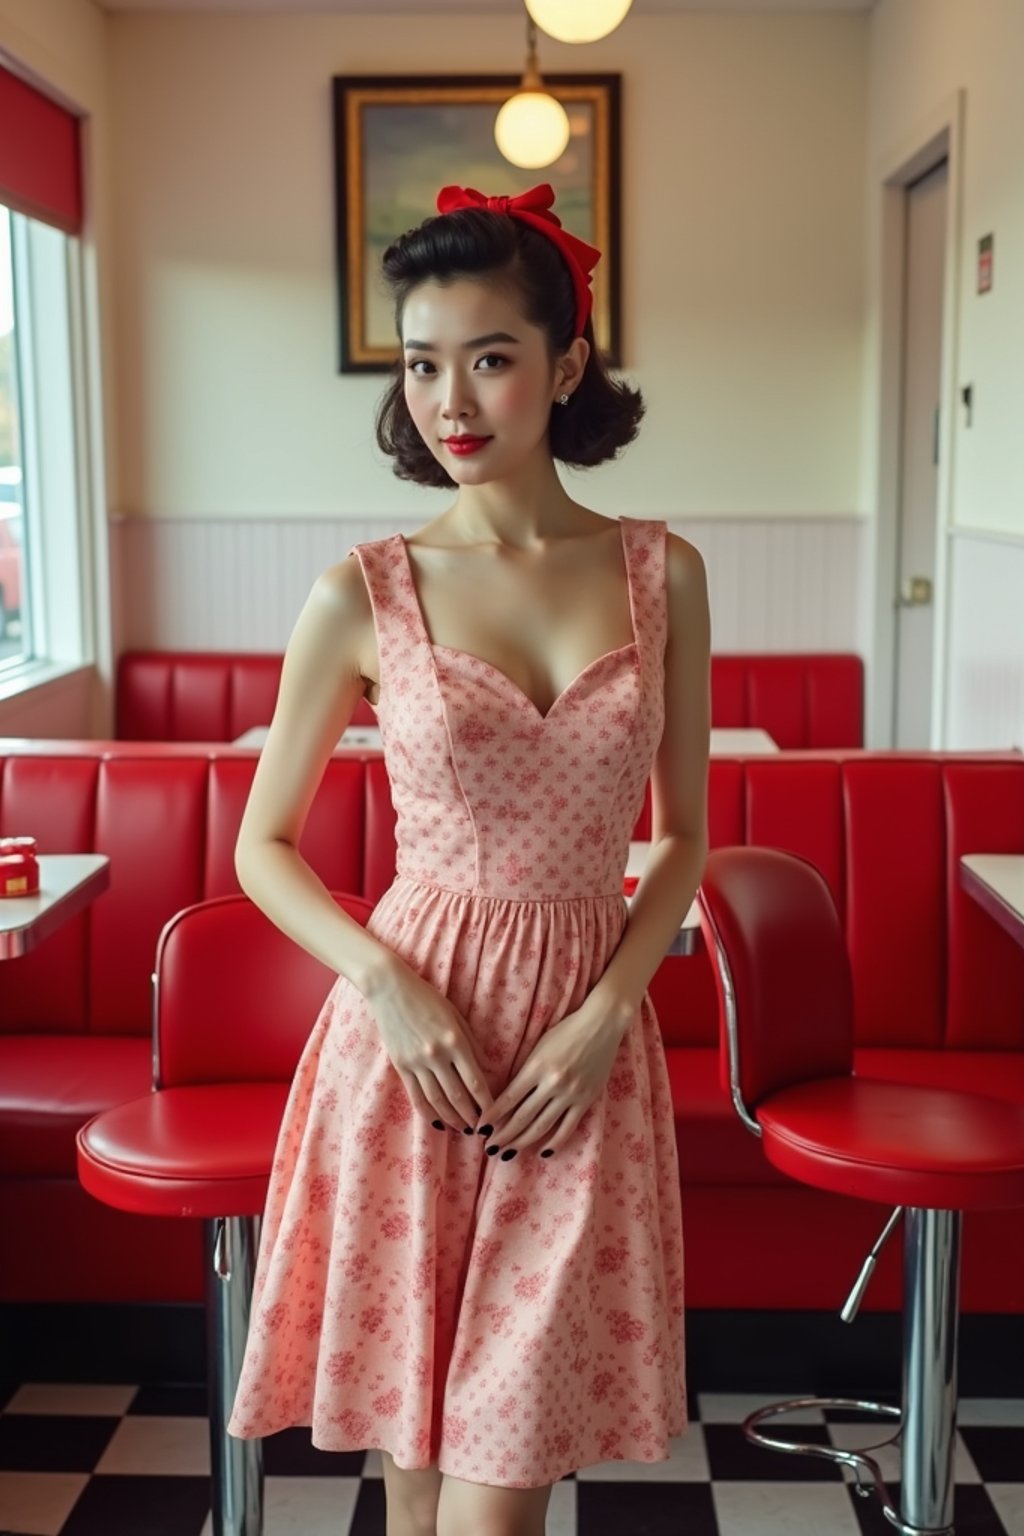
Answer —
(686, 581)
(334, 634)
(340, 591)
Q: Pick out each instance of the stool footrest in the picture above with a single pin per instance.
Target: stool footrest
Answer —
(858, 1460)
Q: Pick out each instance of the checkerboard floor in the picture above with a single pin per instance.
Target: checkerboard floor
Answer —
(116, 1460)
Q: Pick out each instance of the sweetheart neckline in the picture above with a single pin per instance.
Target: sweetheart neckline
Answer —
(542, 715)
(481, 661)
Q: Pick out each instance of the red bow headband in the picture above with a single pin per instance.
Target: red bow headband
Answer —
(534, 208)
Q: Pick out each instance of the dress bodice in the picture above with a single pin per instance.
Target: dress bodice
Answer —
(491, 796)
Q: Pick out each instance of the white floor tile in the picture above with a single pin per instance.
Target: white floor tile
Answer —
(1008, 1499)
(991, 1410)
(158, 1444)
(561, 1519)
(688, 1463)
(853, 1437)
(309, 1506)
(733, 1408)
(112, 1399)
(784, 1509)
(38, 1503)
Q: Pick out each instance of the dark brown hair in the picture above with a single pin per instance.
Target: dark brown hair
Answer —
(603, 414)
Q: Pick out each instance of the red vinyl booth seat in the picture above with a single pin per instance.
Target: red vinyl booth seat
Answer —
(938, 997)
(229, 1026)
(802, 700)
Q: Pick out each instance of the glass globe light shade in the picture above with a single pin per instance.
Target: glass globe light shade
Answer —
(531, 129)
(578, 21)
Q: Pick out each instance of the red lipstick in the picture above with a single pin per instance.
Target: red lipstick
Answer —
(462, 445)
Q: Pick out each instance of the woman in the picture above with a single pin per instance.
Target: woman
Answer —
(471, 1255)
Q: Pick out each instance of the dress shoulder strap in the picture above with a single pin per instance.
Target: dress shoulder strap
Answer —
(404, 655)
(646, 545)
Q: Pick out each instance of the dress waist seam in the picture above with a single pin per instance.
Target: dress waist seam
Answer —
(521, 901)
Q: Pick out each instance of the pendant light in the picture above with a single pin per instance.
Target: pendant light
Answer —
(532, 128)
(578, 21)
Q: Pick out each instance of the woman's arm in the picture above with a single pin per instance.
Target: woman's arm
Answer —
(320, 684)
(679, 778)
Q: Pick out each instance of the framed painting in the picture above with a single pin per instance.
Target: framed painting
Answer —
(399, 138)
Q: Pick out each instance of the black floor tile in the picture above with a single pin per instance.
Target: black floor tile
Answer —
(645, 1509)
(173, 1399)
(973, 1512)
(32, 1442)
(997, 1451)
(732, 1458)
(370, 1513)
(291, 1453)
(854, 1416)
(140, 1506)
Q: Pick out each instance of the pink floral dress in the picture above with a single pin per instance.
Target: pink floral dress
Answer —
(510, 1321)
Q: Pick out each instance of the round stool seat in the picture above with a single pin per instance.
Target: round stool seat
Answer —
(898, 1143)
(203, 1151)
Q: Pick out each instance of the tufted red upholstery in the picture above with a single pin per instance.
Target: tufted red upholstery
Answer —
(199, 696)
(938, 993)
(801, 700)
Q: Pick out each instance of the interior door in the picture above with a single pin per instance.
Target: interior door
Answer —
(919, 435)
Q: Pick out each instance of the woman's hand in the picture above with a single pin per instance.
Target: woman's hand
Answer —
(427, 1041)
(560, 1079)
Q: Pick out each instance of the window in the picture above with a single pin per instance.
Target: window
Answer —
(45, 518)
(13, 593)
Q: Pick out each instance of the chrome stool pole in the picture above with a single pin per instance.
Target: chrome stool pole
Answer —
(931, 1298)
(236, 1466)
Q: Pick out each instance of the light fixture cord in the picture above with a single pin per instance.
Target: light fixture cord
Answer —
(531, 80)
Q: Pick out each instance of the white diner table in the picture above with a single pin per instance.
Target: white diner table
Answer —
(67, 883)
(996, 882)
(741, 741)
(352, 736)
(689, 940)
(725, 741)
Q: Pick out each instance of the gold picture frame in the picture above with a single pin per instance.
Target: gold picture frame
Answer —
(399, 138)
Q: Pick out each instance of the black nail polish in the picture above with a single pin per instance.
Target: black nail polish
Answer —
(549, 1153)
(491, 1150)
(485, 1130)
(467, 1130)
(508, 1152)
(438, 1123)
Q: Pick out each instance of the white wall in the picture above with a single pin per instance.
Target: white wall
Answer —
(920, 52)
(742, 260)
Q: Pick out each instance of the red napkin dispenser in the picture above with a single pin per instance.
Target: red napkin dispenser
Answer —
(19, 867)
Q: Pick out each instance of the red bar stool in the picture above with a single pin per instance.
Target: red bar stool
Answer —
(234, 1000)
(786, 1003)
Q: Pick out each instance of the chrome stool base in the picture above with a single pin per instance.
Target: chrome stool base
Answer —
(927, 1420)
(858, 1460)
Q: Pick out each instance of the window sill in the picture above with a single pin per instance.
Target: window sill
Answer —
(36, 676)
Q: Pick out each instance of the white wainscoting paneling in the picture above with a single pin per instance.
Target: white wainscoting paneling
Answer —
(775, 584)
(985, 683)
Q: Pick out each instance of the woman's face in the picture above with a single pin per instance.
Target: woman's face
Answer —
(479, 381)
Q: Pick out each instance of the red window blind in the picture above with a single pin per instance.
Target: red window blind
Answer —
(40, 161)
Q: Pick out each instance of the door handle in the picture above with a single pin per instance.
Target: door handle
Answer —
(915, 592)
